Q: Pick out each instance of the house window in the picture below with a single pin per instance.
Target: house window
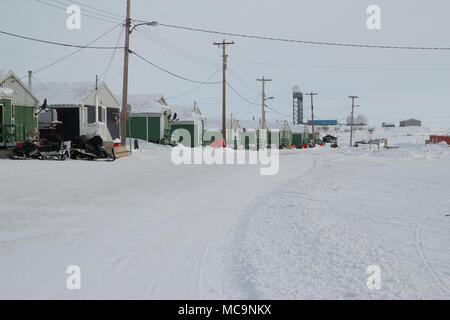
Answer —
(83, 115)
(90, 114)
(13, 113)
(101, 114)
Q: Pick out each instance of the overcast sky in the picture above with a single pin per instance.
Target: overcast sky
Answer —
(392, 84)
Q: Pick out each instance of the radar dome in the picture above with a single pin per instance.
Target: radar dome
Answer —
(362, 119)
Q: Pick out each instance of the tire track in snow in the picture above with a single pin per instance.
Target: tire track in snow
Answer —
(421, 252)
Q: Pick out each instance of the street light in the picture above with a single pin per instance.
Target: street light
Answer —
(149, 23)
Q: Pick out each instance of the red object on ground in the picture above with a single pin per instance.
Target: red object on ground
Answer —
(437, 139)
(321, 144)
(20, 144)
(117, 144)
(218, 143)
(355, 146)
(305, 146)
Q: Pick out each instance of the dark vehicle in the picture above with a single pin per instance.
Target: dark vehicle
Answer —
(83, 148)
(51, 149)
(329, 139)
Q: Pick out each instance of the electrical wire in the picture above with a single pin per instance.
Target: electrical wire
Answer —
(194, 89)
(76, 51)
(322, 43)
(57, 43)
(94, 16)
(240, 96)
(105, 72)
(169, 72)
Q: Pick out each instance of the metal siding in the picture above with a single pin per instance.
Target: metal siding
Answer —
(25, 116)
(154, 133)
(191, 129)
(138, 128)
(20, 96)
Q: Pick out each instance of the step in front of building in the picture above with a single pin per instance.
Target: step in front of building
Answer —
(121, 152)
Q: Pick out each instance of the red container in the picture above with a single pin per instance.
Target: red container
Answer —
(20, 144)
(117, 144)
(305, 146)
(438, 139)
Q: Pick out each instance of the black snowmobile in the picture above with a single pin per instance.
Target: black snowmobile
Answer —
(50, 150)
(83, 148)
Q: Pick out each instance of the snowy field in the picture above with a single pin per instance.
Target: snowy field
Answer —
(144, 228)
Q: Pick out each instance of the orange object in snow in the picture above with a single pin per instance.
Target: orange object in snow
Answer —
(218, 143)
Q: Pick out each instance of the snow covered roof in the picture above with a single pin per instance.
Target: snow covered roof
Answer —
(21, 93)
(186, 113)
(249, 124)
(6, 92)
(147, 103)
(279, 125)
(64, 93)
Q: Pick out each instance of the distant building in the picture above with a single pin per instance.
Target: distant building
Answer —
(411, 123)
(323, 122)
(388, 125)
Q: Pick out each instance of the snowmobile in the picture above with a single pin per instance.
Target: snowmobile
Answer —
(83, 148)
(51, 150)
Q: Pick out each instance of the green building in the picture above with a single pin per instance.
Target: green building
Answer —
(18, 110)
(283, 130)
(187, 121)
(149, 118)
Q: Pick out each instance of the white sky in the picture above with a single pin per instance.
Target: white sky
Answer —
(392, 85)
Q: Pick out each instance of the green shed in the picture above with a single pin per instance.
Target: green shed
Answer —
(149, 118)
(18, 110)
(187, 120)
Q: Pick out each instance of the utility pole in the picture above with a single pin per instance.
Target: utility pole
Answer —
(263, 111)
(30, 80)
(224, 88)
(351, 124)
(312, 94)
(125, 75)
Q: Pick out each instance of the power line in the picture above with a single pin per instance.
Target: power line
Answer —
(76, 51)
(171, 73)
(57, 43)
(240, 96)
(194, 89)
(175, 49)
(95, 16)
(97, 9)
(105, 72)
(336, 44)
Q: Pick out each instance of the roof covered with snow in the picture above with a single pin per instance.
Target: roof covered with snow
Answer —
(6, 92)
(64, 93)
(147, 103)
(186, 113)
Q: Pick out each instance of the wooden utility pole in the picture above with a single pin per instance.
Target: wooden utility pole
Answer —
(351, 124)
(312, 94)
(224, 88)
(125, 75)
(263, 110)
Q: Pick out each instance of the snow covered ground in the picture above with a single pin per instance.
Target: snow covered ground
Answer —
(142, 227)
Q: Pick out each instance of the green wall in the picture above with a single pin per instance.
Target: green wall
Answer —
(154, 132)
(25, 122)
(139, 129)
(189, 127)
